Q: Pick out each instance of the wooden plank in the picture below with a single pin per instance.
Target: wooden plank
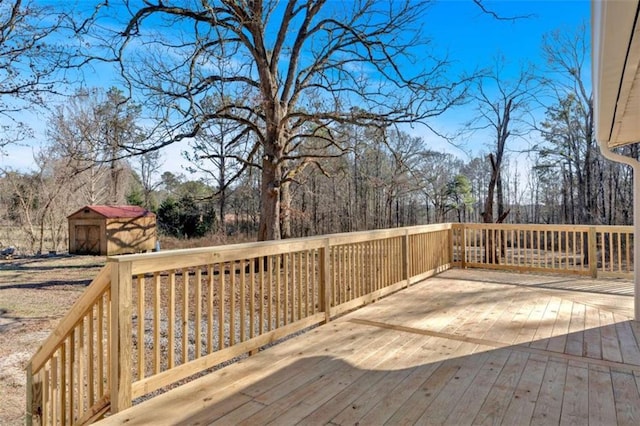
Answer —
(628, 344)
(497, 401)
(298, 402)
(558, 340)
(446, 401)
(239, 414)
(627, 399)
(413, 407)
(592, 339)
(353, 404)
(525, 396)
(575, 403)
(548, 407)
(609, 337)
(471, 401)
(602, 409)
(575, 338)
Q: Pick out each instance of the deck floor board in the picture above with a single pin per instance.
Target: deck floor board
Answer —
(465, 347)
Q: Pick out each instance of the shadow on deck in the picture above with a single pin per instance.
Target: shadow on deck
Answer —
(464, 347)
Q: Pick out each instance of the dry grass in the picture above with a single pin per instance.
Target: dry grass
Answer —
(34, 295)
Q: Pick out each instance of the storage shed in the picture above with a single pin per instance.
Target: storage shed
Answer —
(110, 230)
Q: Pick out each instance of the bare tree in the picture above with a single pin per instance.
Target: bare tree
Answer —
(91, 129)
(294, 70)
(503, 108)
(29, 61)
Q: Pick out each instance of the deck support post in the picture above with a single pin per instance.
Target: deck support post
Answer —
(325, 285)
(121, 353)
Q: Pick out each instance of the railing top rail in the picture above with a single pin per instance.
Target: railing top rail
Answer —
(547, 227)
(532, 227)
(69, 321)
(184, 258)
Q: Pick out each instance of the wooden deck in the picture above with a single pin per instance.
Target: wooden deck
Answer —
(466, 347)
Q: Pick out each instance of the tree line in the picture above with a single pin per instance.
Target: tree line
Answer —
(294, 116)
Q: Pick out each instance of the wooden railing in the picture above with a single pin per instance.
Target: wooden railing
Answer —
(148, 321)
(68, 377)
(605, 251)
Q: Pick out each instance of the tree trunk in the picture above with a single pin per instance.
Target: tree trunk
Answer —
(269, 228)
(285, 210)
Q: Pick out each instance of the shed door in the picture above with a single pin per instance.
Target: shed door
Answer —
(88, 239)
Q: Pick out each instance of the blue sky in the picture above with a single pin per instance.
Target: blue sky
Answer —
(471, 39)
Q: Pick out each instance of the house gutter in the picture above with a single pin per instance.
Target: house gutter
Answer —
(635, 165)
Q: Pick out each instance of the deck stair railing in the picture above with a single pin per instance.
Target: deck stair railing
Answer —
(153, 320)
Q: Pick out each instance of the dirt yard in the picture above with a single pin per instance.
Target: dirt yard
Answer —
(34, 295)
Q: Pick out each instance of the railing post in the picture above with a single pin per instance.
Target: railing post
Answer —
(325, 285)
(29, 413)
(406, 253)
(593, 252)
(462, 252)
(121, 354)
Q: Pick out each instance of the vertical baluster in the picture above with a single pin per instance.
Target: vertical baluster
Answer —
(198, 319)
(171, 319)
(185, 315)
(243, 301)
(91, 378)
(553, 250)
(301, 286)
(210, 284)
(290, 299)
(270, 271)
(278, 272)
(46, 396)
(63, 383)
(141, 323)
(156, 323)
(611, 246)
(252, 298)
(73, 377)
(81, 368)
(627, 247)
(55, 390)
(232, 303)
(261, 328)
(221, 303)
(100, 344)
(619, 265)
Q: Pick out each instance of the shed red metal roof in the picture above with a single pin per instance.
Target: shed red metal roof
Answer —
(118, 211)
